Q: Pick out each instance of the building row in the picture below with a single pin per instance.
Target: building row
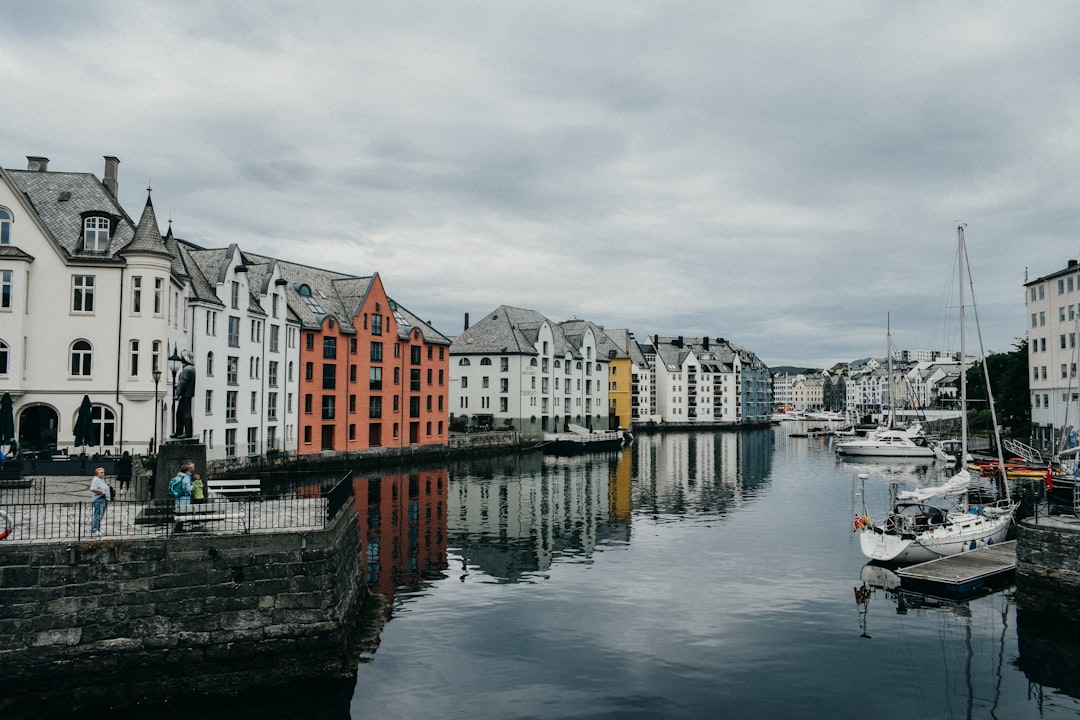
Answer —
(100, 313)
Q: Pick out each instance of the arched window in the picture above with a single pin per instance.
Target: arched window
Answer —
(464, 361)
(81, 358)
(4, 350)
(533, 362)
(5, 226)
(485, 361)
(209, 364)
(103, 421)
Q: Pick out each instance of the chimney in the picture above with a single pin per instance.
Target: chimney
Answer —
(466, 321)
(35, 163)
(110, 183)
(1072, 263)
(705, 344)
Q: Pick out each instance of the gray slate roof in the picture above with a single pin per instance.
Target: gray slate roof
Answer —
(60, 200)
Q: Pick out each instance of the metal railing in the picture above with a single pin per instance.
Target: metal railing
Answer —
(33, 518)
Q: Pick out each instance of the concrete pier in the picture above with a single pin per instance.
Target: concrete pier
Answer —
(1048, 568)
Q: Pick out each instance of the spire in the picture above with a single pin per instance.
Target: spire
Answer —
(147, 238)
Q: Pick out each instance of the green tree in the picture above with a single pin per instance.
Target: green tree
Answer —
(1009, 381)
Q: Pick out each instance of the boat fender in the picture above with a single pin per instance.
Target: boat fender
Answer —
(973, 545)
(8, 525)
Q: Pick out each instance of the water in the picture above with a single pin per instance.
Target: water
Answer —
(692, 575)
(696, 575)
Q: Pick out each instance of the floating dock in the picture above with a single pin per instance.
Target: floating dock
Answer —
(969, 573)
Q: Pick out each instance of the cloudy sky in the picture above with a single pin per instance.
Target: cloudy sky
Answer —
(786, 175)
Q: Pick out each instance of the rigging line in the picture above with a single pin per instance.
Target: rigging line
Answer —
(986, 380)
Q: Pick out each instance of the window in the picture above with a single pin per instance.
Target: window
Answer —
(376, 324)
(4, 355)
(414, 379)
(352, 403)
(82, 293)
(211, 323)
(272, 373)
(375, 407)
(159, 291)
(414, 355)
(307, 404)
(327, 407)
(81, 358)
(232, 370)
(376, 378)
(329, 376)
(5, 289)
(352, 346)
(274, 329)
(485, 381)
(96, 234)
(464, 361)
(155, 356)
(134, 355)
(254, 406)
(464, 383)
(376, 352)
(230, 442)
(136, 294)
(209, 364)
(234, 331)
(309, 372)
(256, 331)
(329, 347)
(504, 364)
(485, 361)
(208, 407)
(271, 406)
(252, 440)
(5, 227)
(234, 295)
(504, 385)
(230, 406)
(309, 341)
(304, 291)
(274, 304)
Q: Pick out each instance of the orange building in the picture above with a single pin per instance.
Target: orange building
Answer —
(371, 374)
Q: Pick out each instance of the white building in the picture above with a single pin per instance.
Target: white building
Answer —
(517, 369)
(1053, 309)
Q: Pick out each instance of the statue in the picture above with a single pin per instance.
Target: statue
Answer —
(184, 391)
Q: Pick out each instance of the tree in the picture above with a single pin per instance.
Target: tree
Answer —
(1009, 382)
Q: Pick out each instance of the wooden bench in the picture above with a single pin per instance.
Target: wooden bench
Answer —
(244, 487)
(205, 512)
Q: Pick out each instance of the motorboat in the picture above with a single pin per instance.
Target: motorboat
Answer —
(907, 443)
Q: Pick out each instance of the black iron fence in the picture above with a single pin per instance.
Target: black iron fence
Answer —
(29, 513)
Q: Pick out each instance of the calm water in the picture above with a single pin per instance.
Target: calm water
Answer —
(693, 575)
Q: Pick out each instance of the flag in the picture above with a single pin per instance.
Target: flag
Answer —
(1049, 478)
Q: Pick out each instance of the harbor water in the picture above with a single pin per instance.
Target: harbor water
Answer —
(691, 575)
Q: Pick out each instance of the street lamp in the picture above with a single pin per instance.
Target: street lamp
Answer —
(175, 361)
(157, 409)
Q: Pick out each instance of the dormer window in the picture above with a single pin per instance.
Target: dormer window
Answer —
(96, 234)
(5, 226)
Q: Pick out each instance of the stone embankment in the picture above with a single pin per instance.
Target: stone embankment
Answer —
(1048, 568)
(175, 615)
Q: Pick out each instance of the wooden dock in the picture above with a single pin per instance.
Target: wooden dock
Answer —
(967, 573)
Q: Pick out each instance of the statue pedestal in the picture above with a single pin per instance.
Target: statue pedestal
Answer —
(171, 454)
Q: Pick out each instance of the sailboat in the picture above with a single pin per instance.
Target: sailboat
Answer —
(915, 529)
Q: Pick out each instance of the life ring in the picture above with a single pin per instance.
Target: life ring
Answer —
(9, 525)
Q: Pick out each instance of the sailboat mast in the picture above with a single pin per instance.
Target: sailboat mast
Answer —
(888, 354)
(963, 353)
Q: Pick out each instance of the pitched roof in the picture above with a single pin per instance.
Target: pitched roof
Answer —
(62, 199)
(147, 239)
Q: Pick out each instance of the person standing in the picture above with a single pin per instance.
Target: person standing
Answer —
(184, 483)
(99, 490)
(198, 491)
(123, 473)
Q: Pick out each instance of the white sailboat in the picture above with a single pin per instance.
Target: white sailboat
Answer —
(916, 530)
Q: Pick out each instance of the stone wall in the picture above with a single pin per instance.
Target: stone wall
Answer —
(131, 620)
(1048, 568)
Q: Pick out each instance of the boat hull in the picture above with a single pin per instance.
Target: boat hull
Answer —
(963, 530)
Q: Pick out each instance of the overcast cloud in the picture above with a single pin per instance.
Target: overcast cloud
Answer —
(784, 175)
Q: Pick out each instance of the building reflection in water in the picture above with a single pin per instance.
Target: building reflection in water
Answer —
(511, 517)
(402, 527)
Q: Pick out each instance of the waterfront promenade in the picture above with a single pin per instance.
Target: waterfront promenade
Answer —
(58, 508)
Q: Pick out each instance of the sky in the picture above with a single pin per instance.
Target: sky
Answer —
(789, 176)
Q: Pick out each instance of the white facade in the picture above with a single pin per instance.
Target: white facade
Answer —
(1053, 311)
